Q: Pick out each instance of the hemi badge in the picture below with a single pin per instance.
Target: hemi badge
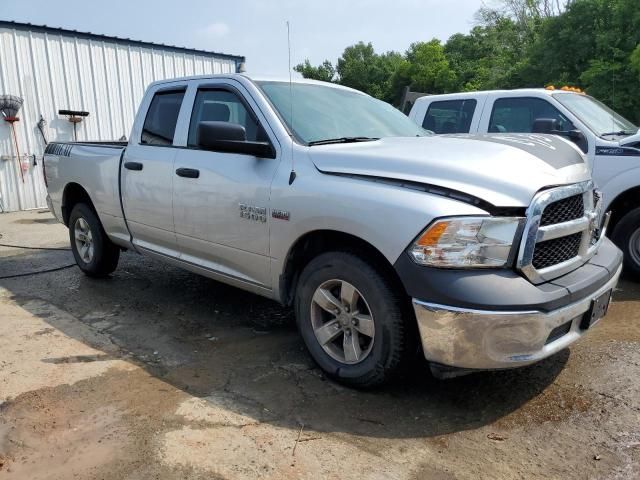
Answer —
(280, 214)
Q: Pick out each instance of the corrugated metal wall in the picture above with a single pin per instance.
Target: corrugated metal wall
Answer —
(54, 70)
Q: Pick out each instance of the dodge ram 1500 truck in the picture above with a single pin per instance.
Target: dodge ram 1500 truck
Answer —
(611, 143)
(487, 252)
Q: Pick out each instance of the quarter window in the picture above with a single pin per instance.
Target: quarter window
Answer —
(162, 117)
(223, 106)
(516, 115)
(450, 116)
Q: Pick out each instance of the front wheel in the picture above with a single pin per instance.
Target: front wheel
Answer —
(351, 319)
(626, 236)
(94, 253)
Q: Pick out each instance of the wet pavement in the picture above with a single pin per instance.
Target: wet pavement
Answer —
(159, 373)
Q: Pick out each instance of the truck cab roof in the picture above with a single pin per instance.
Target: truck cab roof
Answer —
(255, 79)
(483, 93)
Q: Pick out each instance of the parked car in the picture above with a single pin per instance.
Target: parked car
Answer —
(611, 143)
(489, 253)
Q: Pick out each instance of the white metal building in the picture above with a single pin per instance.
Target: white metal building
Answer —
(54, 69)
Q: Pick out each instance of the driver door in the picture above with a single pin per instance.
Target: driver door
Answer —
(210, 206)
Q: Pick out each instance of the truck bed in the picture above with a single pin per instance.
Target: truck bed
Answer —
(93, 167)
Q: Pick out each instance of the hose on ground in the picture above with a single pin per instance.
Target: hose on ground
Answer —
(37, 272)
(25, 247)
(48, 270)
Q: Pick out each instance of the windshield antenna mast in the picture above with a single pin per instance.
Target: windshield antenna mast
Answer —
(292, 175)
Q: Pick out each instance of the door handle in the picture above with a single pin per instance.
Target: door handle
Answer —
(188, 172)
(133, 166)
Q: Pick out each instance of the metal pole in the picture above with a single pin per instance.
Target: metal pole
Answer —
(15, 141)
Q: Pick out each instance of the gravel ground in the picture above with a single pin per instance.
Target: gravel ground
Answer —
(159, 373)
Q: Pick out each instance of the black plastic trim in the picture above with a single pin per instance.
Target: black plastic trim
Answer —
(440, 191)
(188, 172)
(137, 166)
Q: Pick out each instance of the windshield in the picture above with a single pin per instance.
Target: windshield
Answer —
(323, 113)
(596, 115)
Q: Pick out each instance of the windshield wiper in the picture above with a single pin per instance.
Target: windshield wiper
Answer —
(618, 133)
(328, 141)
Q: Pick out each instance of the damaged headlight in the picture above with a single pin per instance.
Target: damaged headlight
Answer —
(466, 242)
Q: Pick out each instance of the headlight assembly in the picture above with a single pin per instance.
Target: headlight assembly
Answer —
(466, 242)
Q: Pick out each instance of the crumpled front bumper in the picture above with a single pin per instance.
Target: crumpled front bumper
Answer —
(487, 320)
(484, 339)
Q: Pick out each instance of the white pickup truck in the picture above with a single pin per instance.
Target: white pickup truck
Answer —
(486, 253)
(611, 143)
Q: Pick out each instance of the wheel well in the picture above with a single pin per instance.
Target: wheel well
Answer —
(623, 203)
(317, 242)
(74, 194)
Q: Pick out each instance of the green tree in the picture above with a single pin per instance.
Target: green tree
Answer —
(359, 67)
(490, 56)
(425, 69)
(592, 45)
(324, 72)
(635, 59)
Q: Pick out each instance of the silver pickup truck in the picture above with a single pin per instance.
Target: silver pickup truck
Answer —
(485, 252)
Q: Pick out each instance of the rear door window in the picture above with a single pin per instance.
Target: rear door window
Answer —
(450, 116)
(162, 117)
(516, 115)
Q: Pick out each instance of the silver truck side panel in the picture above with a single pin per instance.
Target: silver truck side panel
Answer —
(615, 175)
(95, 168)
(231, 262)
(207, 272)
(146, 197)
(207, 210)
(388, 217)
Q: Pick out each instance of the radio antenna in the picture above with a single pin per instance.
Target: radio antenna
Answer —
(292, 175)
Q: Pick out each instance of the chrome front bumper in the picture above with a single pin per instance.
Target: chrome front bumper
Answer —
(484, 339)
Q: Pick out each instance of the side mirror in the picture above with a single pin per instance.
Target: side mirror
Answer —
(577, 137)
(550, 125)
(230, 138)
(544, 125)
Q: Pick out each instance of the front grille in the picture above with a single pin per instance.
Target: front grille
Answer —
(563, 211)
(558, 250)
(558, 235)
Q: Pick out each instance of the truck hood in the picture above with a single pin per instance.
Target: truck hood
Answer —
(505, 170)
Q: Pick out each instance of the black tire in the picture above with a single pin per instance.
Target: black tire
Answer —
(626, 236)
(389, 347)
(105, 255)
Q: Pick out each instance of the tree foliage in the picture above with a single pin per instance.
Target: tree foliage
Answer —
(324, 72)
(592, 44)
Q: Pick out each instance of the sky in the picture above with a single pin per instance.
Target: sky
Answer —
(320, 29)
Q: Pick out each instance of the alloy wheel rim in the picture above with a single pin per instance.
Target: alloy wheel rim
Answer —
(634, 246)
(84, 240)
(342, 321)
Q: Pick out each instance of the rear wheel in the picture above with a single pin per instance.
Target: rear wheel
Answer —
(95, 254)
(627, 237)
(350, 318)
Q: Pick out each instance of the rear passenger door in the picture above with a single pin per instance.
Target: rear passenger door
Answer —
(450, 116)
(147, 173)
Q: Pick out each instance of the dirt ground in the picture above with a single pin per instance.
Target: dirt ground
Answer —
(159, 373)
